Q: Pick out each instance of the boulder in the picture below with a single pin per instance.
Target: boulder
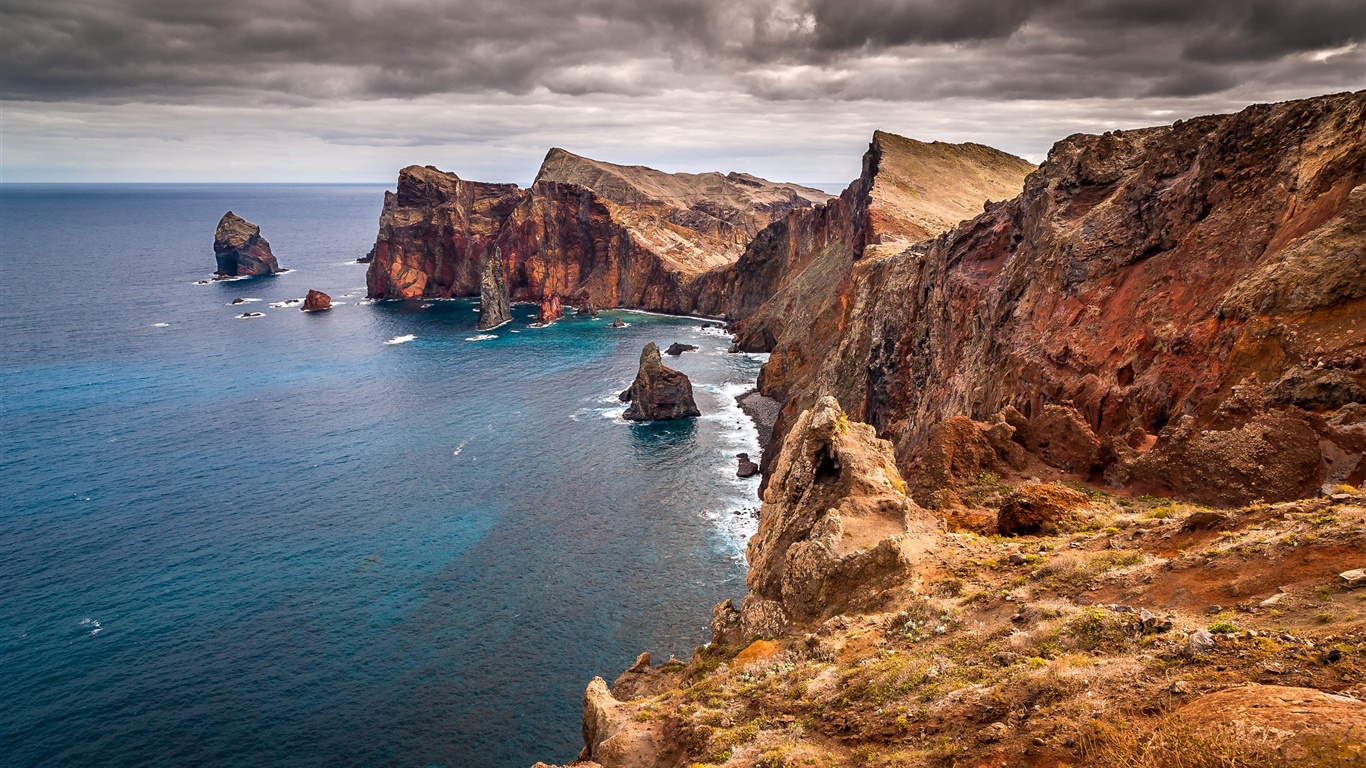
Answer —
(746, 467)
(658, 393)
(617, 323)
(677, 349)
(494, 307)
(1292, 725)
(1037, 507)
(615, 739)
(240, 250)
(587, 309)
(1353, 579)
(316, 301)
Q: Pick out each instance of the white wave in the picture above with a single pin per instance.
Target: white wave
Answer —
(427, 305)
(93, 625)
(460, 447)
(161, 325)
(514, 331)
(250, 315)
(286, 303)
(365, 302)
(405, 338)
(236, 302)
(482, 337)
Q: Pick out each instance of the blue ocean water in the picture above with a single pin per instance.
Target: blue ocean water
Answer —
(283, 541)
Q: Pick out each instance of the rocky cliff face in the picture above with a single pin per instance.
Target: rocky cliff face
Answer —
(589, 231)
(1130, 632)
(239, 249)
(433, 232)
(1178, 309)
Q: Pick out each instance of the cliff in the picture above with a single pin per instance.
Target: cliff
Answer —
(1176, 310)
(239, 250)
(592, 232)
(1131, 633)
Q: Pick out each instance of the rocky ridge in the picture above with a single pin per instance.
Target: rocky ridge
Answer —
(1176, 310)
(594, 233)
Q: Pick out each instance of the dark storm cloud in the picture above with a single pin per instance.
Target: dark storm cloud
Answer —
(310, 50)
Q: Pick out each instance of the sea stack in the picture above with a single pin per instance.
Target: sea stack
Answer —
(316, 301)
(240, 249)
(658, 393)
(551, 309)
(494, 309)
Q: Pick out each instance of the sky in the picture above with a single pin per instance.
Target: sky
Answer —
(353, 90)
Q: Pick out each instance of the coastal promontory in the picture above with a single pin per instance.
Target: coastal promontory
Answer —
(240, 250)
(659, 393)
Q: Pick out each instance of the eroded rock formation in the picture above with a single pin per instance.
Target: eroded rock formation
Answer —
(1179, 308)
(239, 249)
(549, 310)
(836, 529)
(316, 301)
(494, 307)
(658, 393)
(592, 232)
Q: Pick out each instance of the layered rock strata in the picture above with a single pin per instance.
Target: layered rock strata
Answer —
(239, 249)
(594, 233)
(1179, 310)
(658, 393)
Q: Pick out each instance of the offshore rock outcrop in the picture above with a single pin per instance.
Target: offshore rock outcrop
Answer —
(316, 301)
(1177, 309)
(658, 393)
(549, 310)
(494, 307)
(592, 232)
(239, 249)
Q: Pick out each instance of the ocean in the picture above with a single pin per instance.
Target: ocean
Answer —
(361, 537)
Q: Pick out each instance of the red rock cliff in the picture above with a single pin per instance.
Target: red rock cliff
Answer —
(589, 231)
(1182, 309)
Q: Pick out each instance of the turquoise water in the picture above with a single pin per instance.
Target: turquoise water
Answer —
(284, 541)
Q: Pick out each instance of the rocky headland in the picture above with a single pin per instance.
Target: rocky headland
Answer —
(239, 249)
(659, 393)
(1096, 497)
(1177, 311)
(591, 232)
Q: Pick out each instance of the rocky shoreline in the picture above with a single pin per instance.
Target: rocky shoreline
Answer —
(763, 411)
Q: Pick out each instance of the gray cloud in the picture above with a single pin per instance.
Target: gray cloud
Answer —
(312, 50)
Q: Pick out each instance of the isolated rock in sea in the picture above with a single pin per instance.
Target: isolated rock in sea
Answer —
(836, 530)
(677, 349)
(315, 301)
(746, 467)
(586, 309)
(494, 308)
(658, 393)
(618, 323)
(549, 310)
(240, 250)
